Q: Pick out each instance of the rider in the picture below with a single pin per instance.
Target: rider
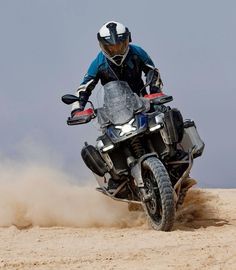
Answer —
(118, 60)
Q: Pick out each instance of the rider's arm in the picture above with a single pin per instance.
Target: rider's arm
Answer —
(88, 84)
(148, 65)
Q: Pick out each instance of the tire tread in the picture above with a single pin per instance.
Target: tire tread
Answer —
(166, 193)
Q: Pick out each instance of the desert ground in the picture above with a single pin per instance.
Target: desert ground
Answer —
(78, 228)
(49, 220)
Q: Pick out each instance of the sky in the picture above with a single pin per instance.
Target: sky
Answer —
(47, 46)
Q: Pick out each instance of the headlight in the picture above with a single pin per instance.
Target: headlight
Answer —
(108, 147)
(157, 123)
(158, 126)
(103, 147)
(126, 128)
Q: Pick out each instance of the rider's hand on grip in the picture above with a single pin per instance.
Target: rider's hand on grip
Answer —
(74, 112)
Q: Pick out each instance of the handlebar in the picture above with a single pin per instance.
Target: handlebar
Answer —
(87, 115)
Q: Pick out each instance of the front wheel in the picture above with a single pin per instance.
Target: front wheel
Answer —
(160, 208)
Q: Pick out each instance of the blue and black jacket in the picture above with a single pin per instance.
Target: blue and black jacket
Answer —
(136, 62)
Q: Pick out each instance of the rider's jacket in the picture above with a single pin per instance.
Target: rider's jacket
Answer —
(136, 62)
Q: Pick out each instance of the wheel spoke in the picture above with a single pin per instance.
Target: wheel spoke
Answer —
(154, 208)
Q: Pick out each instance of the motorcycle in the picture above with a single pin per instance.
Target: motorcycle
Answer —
(145, 153)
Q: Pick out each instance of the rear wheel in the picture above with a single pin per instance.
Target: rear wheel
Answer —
(160, 208)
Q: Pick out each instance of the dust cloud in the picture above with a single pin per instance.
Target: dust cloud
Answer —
(199, 210)
(36, 192)
(33, 194)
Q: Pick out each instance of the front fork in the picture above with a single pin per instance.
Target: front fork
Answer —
(136, 172)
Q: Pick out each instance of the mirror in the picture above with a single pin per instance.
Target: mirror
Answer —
(69, 99)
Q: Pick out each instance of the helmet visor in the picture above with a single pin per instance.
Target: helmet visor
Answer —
(115, 49)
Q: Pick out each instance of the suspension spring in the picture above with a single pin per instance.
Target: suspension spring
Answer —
(137, 147)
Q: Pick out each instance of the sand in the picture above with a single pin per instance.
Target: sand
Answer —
(204, 236)
(48, 221)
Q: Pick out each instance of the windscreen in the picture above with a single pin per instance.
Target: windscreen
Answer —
(120, 102)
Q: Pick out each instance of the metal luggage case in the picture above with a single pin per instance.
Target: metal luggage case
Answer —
(192, 139)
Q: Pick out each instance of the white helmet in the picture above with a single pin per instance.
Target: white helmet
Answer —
(114, 41)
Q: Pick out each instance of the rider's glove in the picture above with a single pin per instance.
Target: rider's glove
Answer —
(155, 89)
(156, 82)
(78, 106)
(83, 96)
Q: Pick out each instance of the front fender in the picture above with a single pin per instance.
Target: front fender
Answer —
(136, 170)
